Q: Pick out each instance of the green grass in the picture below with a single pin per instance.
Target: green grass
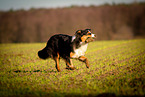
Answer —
(117, 68)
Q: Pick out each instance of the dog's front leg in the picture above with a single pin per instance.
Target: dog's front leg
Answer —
(69, 64)
(85, 60)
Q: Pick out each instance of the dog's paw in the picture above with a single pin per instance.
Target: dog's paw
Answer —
(70, 68)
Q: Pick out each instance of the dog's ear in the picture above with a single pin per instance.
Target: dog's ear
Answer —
(88, 29)
(78, 32)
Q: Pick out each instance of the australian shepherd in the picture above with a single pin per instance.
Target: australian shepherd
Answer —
(68, 47)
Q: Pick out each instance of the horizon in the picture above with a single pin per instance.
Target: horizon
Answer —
(6, 5)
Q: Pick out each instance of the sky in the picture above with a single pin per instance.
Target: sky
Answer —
(27, 4)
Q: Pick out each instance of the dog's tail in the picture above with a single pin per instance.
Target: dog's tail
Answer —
(43, 54)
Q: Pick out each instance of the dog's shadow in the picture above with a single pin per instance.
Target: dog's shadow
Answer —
(26, 71)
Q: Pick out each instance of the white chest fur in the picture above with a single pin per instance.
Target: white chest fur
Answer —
(80, 51)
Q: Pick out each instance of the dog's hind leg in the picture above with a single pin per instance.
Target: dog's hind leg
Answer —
(56, 59)
(69, 64)
(85, 60)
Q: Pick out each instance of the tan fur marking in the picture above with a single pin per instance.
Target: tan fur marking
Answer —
(71, 54)
(88, 32)
(85, 60)
(83, 38)
(58, 55)
(57, 62)
(79, 32)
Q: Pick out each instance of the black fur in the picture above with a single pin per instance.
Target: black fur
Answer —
(59, 43)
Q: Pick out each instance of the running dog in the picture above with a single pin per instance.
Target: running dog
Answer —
(68, 47)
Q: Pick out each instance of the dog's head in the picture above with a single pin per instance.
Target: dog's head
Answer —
(85, 35)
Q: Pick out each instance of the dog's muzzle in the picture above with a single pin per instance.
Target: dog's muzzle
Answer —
(93, 35)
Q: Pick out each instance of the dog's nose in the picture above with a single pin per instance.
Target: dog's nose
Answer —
(95, 36)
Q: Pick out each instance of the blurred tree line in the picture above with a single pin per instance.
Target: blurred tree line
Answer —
(108, 22)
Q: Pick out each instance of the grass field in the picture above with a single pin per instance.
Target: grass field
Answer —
(117, 68)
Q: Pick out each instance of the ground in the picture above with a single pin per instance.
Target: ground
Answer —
(117, 68)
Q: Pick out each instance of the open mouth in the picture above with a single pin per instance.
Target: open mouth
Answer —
(90, 39)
